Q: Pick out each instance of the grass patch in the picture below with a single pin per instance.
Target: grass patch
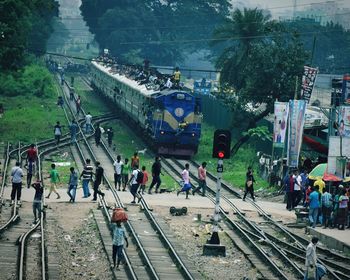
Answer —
(29, 118)
(90, 101)
(63, 170)
(235, 168)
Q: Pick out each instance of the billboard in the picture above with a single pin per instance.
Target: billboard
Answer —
(297, 110)
(346, 88)
(280, 123)
(344, 121)
(308, 82)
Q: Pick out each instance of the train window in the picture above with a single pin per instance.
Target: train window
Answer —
(180, 96)
(188, 98)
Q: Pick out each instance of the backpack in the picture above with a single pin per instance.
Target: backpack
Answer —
(139, 177)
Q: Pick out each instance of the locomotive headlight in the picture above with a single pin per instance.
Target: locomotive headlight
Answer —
(162, 132)
(193, 134)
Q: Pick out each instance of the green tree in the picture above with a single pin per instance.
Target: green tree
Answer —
(261, 62)
(162, 31)
(24, 27)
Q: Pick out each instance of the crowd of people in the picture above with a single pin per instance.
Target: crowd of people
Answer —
(144, 75)
(327, 205)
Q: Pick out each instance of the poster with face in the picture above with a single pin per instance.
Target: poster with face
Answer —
(308, 82)
(281, 111)
(297, 110)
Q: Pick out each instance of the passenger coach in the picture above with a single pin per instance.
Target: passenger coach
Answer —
(171, 118)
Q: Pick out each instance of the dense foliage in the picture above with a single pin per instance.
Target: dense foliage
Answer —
(31, 80)
(24, 27)
(330, 44)
(161, 31)
(261, 63)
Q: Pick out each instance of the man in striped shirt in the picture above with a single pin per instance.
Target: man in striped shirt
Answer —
(87, 177)
(327, 206)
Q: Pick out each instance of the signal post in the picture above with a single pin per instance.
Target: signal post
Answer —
(221, 150)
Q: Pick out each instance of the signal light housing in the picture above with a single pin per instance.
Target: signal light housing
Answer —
(222, 144)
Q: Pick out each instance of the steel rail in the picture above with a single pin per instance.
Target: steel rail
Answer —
(236, 226)
(14, 217)
(130, 269)
(296, 239)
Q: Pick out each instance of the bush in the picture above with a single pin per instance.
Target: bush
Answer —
(33, 80)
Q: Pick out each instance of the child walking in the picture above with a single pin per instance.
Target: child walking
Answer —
(39, 190)
(118, 243)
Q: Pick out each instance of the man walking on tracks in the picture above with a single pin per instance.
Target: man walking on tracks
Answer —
(87, 177)
(54, 179)
(78, 105)
(17, 174)
(72, 184)
(73, 131)
(110, 134)
(125, 173)
(98, 180)
(156, 171)
(186, 181)
(88, 125)
(118, 165)
(202, 175)
(249, 184)
(98, 133)
(136, 180)
(39, 190)
(57, 132)
(32, 153)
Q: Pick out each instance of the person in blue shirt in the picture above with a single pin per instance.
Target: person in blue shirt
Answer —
(118, 242)
(313, 206)
(72, 184)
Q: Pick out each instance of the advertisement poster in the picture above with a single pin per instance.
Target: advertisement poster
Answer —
(297, 110)
(280, 123)
(346, 88)
(344, 121)
(308, 82)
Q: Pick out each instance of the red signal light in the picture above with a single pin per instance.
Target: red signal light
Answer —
(221, 154)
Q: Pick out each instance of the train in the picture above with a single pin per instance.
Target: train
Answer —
(170, 118)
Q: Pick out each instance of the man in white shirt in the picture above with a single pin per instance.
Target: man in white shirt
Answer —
(17, 174)
(186, 180)
(311, 260)
(297, 189)
(88, 126)
(118, 165)
(134, 182)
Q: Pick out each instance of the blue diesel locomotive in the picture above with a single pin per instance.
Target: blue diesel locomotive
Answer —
(171, 118)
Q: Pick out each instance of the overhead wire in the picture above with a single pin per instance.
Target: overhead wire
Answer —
(155, 66)
(272, 8)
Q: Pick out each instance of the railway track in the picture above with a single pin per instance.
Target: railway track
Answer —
(285, 255)
(292, 244)
(275, 271)
(159, 259)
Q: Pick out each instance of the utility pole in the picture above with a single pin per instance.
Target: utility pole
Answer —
(221, 150)
(294, 9)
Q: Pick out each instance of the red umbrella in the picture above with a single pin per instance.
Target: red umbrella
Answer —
(331, 178)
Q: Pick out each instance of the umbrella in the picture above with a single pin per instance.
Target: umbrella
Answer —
(331, 178)
(320, 172)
